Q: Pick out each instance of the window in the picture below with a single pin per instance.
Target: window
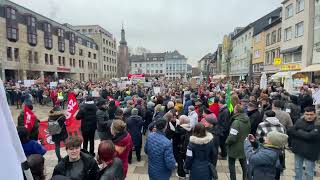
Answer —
(12, 25)
(36, 59)
(51, 59)
(288, 34)
(59, 60)
(72, 43)
(94, 56)
(274, 37)
(31, 30)
(297, 57)
(80, 52)
(257, 38)
(317, 28)
(268, 39)
(300, 5)
(289, 11)
(104, 66)
(299, 29)
(47, 35)
(89, 54)
(30, 56)
(46, 59)
(16, 54)
(70, 62)
(61, 43)
(63, 61)
(9, 53)
(257, 54)
(287, 58)
(267, 60)
(279, 34)
(74, 63)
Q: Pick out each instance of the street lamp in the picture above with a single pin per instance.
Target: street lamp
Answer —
(250, 68)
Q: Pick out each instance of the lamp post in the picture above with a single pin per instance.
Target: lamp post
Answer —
(250, 68)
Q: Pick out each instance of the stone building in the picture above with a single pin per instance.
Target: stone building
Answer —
(33, 46)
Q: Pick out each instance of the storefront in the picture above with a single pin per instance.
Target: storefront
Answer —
(313, 72)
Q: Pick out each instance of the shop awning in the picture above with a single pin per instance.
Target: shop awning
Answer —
(311, 68)
(220, 76)
(283, 74)
(291, 50)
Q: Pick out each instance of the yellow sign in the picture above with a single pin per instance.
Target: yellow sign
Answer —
(277, 61)
(290, 67)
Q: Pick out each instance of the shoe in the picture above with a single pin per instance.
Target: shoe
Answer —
(138, 159)
(129, 162)
(180, 177)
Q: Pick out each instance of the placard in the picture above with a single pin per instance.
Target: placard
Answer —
(53, 84)
(316, 97)
(28, 83)
(156, 90)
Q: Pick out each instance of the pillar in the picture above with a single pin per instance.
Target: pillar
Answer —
(24, 75)
(3, 75)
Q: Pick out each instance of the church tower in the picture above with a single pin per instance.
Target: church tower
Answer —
(123, 56)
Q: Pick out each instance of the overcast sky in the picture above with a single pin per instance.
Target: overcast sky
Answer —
(193, 27)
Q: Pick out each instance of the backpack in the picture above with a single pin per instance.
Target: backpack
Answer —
(54, 126)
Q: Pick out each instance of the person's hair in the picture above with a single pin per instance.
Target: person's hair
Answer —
(207, 111)
(23, 134)
(270, 113)
(239, 108)
(235, 100)
(161, 124)
(191, 108)
(36, 164)
(89, 98)
(112, 104)
(310, 109)
(106, 151)
(118, 112)
(118, 126)
(199, 130)
(73, 142)
(216, 99)
(277, 103)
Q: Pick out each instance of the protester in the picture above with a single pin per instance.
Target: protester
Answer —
(263, 161)
(224, 126)
(134, 126)
(88, 117)
(200, 154)
(36, 165)
(211, 126)
(149, 116)
(103, 120)
(293, 108)
(57, 128)
(29, 146)
(158, 148)
(255, 116)
(283, 116)
(193, 116)
(35, 129)
(123, 142)
(215, 107)
(305, 143)
(240, 128)
(110, 166)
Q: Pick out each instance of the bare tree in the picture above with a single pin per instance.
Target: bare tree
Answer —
(141, 50)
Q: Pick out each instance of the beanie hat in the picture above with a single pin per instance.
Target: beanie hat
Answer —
(150, 105)
(101, 102)
(277, 139)
(134, 111)
(211, 120)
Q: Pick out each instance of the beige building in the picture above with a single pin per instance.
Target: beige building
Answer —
(107, 66)
(33, 46)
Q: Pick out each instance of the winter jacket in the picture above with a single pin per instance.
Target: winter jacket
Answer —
(103, 124)
(239, 130)
(262, 162)
(179, 107)
(255, 120)
(134, 126)
(216, 142)
(84, 169)
(149, 116)
(161, 161)
(33, 147)
(87, 115)
(193, 117)
(61, 118)
(200, 155)
(268, 125)
(224, 121)
(294, 111)
(187, 103)
(284, 118)
(35, 129)
(305, 139)
(214, 108)
(305, 101)
(113, 171)
(123, 140)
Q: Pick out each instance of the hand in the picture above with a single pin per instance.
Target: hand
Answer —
(251, 138)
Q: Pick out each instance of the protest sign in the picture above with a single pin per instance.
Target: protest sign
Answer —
(156, 90)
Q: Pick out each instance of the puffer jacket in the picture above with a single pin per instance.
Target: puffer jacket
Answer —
(87, 115)
(161, 161)
(200, 154)
(239, 130)
(112, 172)
(263, 162)
(84, 169)
(61, 118)
(103, 123)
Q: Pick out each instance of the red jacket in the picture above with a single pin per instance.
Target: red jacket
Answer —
(214, 108)
(124, 141)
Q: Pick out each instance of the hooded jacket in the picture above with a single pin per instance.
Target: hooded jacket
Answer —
(239, 130)
(200, 154)
(88, 117)
(60, 117)
(268, 125)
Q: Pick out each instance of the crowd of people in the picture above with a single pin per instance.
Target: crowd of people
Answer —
(187, 129)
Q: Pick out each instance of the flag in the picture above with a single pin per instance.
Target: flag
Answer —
(116, 101)
(29, 118)
(72, 108)
(229, 103)
(11, 152)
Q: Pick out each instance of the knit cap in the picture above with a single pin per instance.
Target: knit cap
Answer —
(134, 111)
(277, 139)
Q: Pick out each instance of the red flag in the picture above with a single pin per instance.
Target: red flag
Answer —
(72, 108)
(116, 101)
(29, 118)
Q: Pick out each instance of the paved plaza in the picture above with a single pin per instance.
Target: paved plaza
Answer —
(138, 170)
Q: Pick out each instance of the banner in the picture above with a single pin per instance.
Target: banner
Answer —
(72, 108)
(116, 101)
(46, 139)
(29, 118)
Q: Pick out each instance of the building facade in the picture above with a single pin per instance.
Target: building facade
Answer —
(107, 66)
(33, 46)
(123, 56)
(176, 65)
(208, 64)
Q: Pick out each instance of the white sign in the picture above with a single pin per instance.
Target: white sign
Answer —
(61, 81)
(156, 90)
(28, 83)
(148, 84)
(121, 86)
(298, 82)
(316, 97)
(53, 84)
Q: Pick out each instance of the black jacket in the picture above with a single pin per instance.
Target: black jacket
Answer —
(305, 139)
(216, 142)
(134, 126)
(255, 120)
(113, 171)
(60, 117)
(102, 119)
(224, 121)
(84, 169)
(35, 129)
(88, 117)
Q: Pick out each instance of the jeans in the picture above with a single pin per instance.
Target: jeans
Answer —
(88, 137)
(232, 168)
(310, 166)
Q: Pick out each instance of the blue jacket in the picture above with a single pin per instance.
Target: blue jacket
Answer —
(263, 162)
(33, 147)
(187, 103)
(161, 161)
